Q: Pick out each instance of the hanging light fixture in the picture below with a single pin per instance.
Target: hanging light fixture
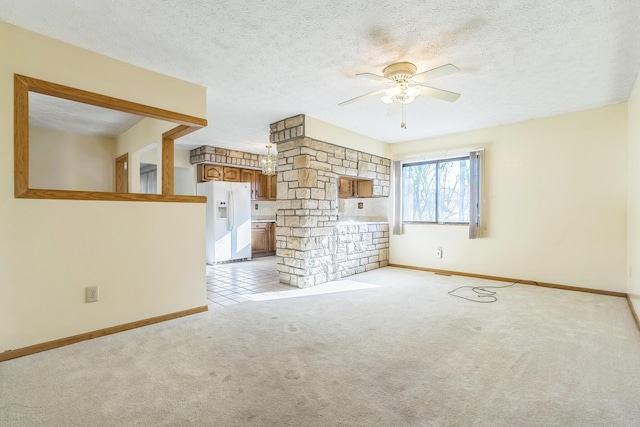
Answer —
(268, 162)
(403, 91)
(405, 85)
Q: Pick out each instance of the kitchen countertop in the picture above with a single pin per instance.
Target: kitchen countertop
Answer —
(263, 220)
(347, 220)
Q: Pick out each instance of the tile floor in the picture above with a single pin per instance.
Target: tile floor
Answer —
(226, 283)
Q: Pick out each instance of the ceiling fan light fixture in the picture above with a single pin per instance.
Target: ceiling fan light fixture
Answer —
(405, 85)
(412, 91)
(268, 162)
(393, 91)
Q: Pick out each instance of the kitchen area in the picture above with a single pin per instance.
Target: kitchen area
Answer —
(241, 215)
(332, 210)
(241, 212)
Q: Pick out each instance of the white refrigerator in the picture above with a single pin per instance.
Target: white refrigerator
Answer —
(228, 220)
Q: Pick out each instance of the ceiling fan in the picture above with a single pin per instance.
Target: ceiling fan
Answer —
(404, 85)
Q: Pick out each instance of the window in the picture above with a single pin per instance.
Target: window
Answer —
(436, 191)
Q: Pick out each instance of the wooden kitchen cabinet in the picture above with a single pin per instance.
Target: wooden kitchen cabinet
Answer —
(352, 187)
(231, 174)
(259, 238)
(273, 187)
(249, 175)
(263, 238)
(272, 237)
(364, 188)
(345, 188)
(266, 186)
(208, 172)
(262, 186)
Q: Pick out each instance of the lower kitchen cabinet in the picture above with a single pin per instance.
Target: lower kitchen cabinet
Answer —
(272, 237)
(263, 238)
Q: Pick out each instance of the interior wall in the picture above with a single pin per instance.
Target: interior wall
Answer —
(555, 203)
(633, 236)
(143, 143)
(147, 258)
(266, 209)
(184, 173)
(373, 209)
(323, 131)
(71, 161)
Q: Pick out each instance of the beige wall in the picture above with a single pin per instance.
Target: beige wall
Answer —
(143, 143)
(633, 233)
(555, 203)
(71, 161)
(147, 258)
(323, 131)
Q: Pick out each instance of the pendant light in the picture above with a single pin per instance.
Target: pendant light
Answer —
(268, 162)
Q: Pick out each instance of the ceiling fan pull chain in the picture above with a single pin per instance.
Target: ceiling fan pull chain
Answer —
(403, 124)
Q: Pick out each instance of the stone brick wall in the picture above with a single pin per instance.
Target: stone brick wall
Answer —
(307, 216)
(207, 153)
(286, 129)
(361, 247)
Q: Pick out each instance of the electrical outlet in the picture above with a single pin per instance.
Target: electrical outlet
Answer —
(91, 294)
(439, 252)
(256, 206)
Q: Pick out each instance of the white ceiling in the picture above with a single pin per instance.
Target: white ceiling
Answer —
(263, 61)
(47, 112)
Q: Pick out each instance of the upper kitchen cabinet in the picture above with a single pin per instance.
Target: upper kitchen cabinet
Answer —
(209, 172)
(231, 174)
(353, 187)
(273, 187)
(263, 187)
(249, 175)
(266, 186)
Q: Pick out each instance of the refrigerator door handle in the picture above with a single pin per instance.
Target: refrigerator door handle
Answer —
(230, 215)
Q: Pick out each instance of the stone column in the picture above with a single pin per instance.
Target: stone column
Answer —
(307, 206)
(307, 215)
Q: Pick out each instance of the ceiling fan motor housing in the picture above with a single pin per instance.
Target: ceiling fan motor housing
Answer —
(400, 71)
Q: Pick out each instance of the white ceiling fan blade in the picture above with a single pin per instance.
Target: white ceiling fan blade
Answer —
(358, 98)
(371, 76)
(435, 73)
(444, 95)
(394, 109)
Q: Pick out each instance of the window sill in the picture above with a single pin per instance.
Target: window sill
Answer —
(465, 224)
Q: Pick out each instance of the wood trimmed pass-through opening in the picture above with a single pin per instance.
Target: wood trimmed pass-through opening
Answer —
(185, 125)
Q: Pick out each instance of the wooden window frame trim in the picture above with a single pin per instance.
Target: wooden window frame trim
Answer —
(23, 85)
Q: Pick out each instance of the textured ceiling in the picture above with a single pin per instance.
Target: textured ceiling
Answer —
(46, 112)
(268, 60)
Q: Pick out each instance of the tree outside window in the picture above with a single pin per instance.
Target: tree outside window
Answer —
(436, 191)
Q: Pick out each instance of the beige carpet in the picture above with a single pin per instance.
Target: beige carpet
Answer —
(401, 354)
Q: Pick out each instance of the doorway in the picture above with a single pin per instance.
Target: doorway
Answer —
(122, 177)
